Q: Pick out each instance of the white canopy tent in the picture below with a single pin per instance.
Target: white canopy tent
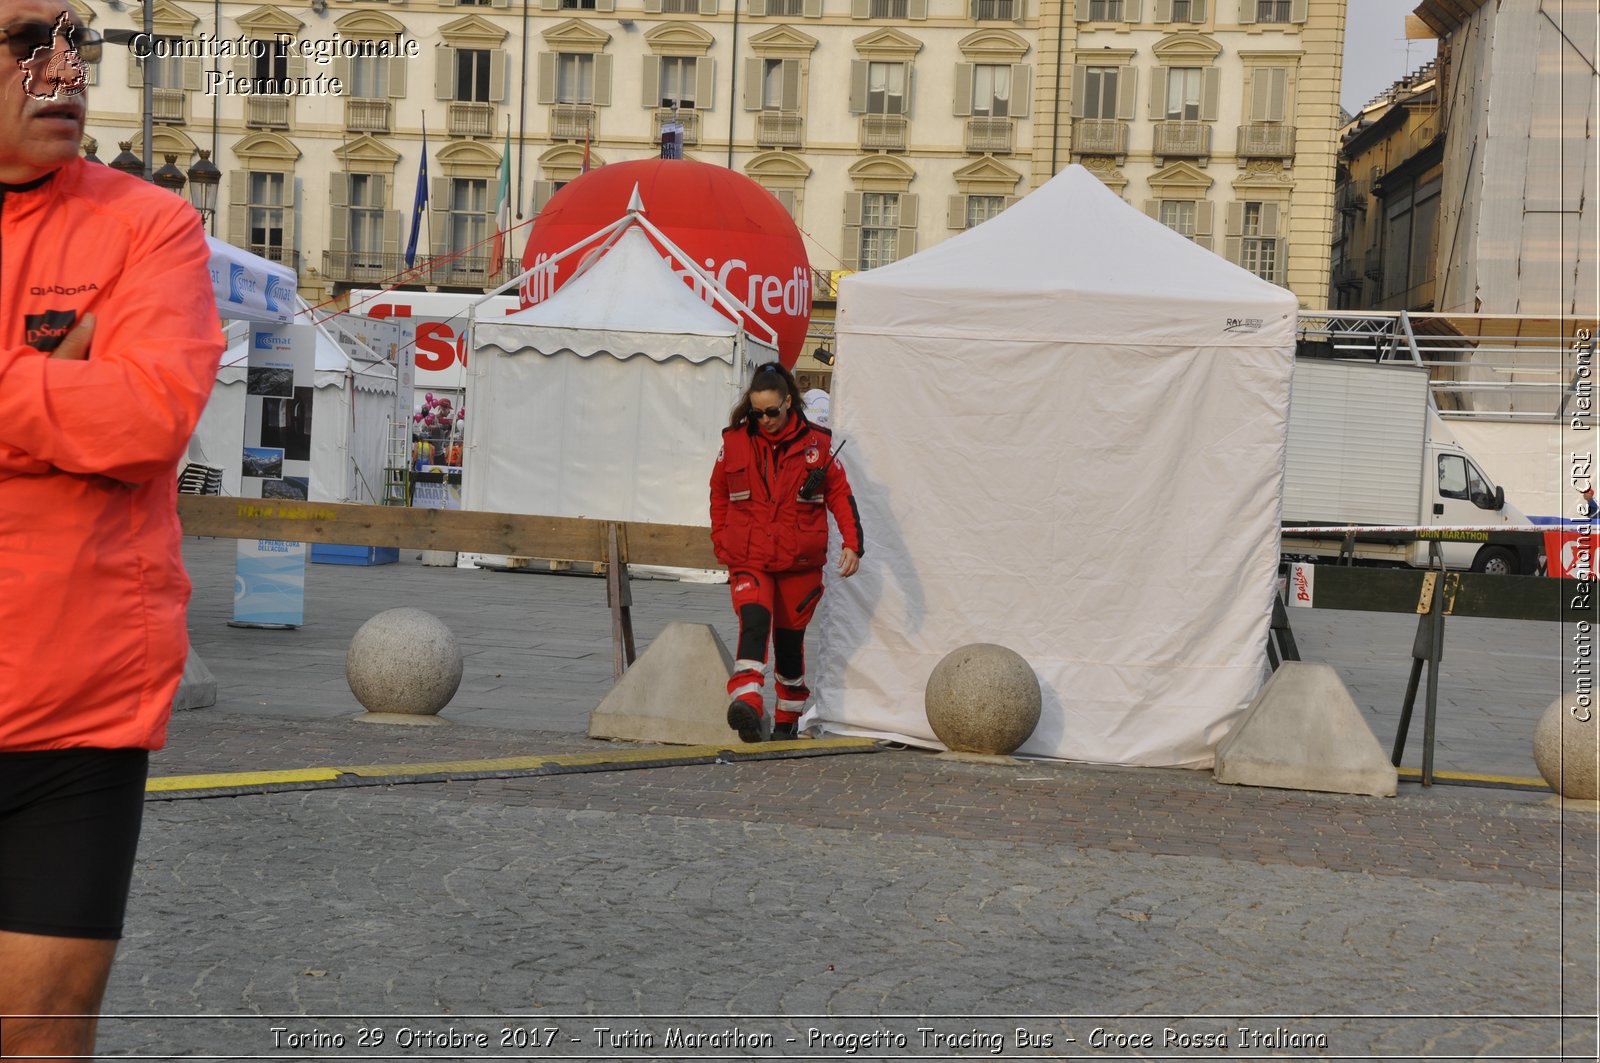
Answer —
(607, 399)
(1067, 432)
(352, 409)
(249, 287)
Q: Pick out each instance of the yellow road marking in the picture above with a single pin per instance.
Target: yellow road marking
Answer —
(239, 778)
(1466, 776)
(619, 757)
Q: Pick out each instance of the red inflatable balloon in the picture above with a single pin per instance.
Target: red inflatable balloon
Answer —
(731, 226)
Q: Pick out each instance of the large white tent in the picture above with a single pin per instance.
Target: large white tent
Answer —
(1067, 432)
(607, 399)
(352, 408)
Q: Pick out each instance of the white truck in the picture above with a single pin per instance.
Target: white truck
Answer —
(1367, 447)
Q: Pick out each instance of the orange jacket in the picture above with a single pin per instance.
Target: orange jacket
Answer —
(92, 587)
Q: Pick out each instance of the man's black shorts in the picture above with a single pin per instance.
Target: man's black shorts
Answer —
(69, 827)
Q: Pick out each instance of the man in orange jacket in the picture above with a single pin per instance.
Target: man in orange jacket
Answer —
(109, 343)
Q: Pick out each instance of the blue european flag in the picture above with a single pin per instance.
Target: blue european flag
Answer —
(420, 205)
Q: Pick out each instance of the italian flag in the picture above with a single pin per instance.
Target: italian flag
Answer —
(502, 209)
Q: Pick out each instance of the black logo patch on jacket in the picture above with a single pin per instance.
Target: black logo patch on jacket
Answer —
(45, 331)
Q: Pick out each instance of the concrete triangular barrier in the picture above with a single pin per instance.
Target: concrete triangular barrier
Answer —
(676, 692)
(1303, 732)
(198, 687)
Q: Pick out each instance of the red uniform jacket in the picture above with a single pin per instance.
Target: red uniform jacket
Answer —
(757, 518)
(92, 587)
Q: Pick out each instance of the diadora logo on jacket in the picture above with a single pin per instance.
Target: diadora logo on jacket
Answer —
(44, 332)
(56, 289)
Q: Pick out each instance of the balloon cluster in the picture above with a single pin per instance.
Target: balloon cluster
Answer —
(438, 415)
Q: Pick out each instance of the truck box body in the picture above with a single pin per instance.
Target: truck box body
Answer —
(1357, 440)
(1366, 447)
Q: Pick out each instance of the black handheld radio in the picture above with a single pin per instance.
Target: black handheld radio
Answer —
(814, 478)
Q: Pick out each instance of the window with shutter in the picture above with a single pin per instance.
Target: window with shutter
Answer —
(880, 221)
(981, 208)
(468, 225)
(679, 80)
(574, 78)
(995, 10)
(269, 67)
(577, 5)
(1179, 215)
(366, 205)
(472, 75)
(886, 88)
(991, 91)
(1258, 247)
(1100, 91)
(1183, 94)
(1272, 10)
(1105, 10)
(265, 216)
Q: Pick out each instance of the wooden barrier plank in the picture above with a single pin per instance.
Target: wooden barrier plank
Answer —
(519, 535)
(1383, 590)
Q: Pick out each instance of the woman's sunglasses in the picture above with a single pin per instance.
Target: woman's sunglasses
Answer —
(26, 38)
(770, 411)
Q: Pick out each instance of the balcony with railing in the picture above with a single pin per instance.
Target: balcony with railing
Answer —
(1351, 196)
(989, 135)
(690, 120)
(572, 121)
(272, 253)
(1183, 140)
(371, 267)
(470, 119)
(1372, 263)
(780, 129)
(361, 267)
(884, 132)
(1266, 140)
(470, 271)
(169, 105)
(1100, 136)
(366, 116)
(266, 112)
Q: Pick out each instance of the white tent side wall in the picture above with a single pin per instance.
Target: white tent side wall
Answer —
(599, 437)
(219, 438)
(1079, 457)
(1125, 548)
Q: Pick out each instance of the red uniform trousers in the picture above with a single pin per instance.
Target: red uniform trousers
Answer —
(773, 606)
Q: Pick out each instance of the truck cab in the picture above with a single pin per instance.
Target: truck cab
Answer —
(1458, 493)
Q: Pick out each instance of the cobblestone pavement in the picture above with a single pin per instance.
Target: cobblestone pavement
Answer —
(820, 899)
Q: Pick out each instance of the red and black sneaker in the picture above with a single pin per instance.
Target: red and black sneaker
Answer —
(746, 719)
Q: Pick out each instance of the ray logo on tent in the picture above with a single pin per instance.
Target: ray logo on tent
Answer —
(1244, 324)
(239, 283)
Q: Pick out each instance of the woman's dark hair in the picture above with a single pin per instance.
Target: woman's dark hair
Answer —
(771, 376)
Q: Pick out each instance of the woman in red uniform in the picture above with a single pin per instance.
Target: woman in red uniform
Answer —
(774, 477)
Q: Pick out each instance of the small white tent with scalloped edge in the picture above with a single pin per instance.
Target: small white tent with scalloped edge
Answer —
(1067, 431)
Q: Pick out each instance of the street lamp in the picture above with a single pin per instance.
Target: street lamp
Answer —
(128, 162)
(204, 177)
(170, 177)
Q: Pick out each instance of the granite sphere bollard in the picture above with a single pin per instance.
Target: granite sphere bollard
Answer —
(404, 665)
(1565, 750)
(983, 698)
